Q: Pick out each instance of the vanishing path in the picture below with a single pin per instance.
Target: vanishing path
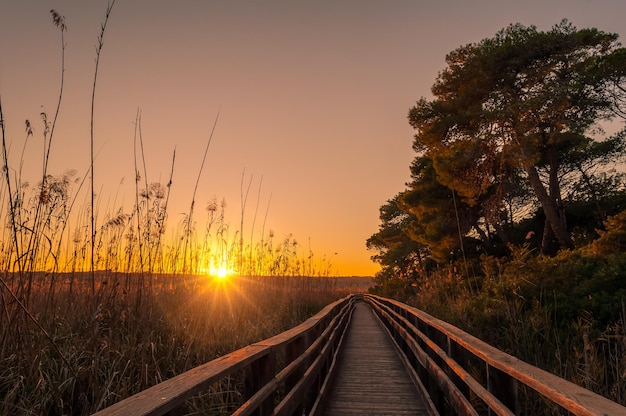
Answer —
(371, 378)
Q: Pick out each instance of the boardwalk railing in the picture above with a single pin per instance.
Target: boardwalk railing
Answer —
(466, 376)
(282, 374)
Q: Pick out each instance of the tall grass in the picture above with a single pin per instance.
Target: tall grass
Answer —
(120, 349)
(97, 303)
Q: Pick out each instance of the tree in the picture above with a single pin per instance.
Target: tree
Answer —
(396, 251)
(518, 112)
(437, 220)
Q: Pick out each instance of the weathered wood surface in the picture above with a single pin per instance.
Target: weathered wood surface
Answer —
(370, 377)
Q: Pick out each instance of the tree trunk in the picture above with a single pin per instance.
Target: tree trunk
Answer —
(550, 209)
(548, 245)
(483, 235)
(555, 188)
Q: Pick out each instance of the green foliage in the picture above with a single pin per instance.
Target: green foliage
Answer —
(514, 124)
(435, 215)
(402, 255)
(612, 241)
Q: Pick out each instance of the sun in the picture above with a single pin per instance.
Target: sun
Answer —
(221, 270)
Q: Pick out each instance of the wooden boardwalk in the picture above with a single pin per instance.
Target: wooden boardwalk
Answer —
(371, 378)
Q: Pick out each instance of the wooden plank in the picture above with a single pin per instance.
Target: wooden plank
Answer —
(334, 349)
(370, 377)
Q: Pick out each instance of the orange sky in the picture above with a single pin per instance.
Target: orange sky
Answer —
(313, 98)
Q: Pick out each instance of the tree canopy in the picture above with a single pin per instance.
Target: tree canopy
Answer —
(513, 136)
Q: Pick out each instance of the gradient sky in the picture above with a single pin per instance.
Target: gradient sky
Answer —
(313, 97)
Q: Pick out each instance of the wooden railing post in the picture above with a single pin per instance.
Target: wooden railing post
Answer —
(436, 395)
(504, 387)
(294, 350)
(459, 355)
(258, 374)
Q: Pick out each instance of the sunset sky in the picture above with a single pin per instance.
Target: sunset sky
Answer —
(312, 95)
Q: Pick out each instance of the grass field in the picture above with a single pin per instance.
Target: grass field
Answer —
(95, 354)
